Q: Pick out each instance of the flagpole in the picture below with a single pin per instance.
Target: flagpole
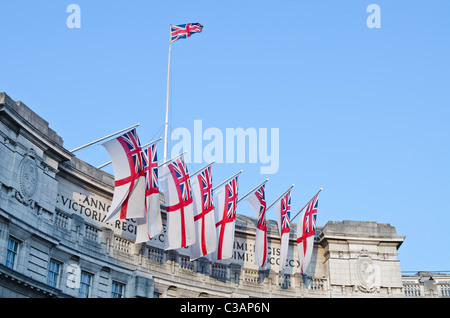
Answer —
(172, 159)
(150, 143)
(98, 140)
(143, 147)
(280, 197)
(306, 204)
(250, 192)
(193, 174)
(227, 180)
(167, 96)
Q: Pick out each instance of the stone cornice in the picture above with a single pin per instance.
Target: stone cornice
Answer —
(34, 128)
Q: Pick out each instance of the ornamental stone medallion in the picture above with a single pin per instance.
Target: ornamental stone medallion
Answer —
(28, 178)
(368, 273)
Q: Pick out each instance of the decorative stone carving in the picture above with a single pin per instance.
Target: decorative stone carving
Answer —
(28, 177)
(368, 273)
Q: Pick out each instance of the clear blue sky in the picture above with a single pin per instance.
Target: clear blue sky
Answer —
(363, 113)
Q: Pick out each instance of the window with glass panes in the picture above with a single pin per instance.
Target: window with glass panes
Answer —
(85, 285)
(53, 273)
(117, 290)
(11, 252)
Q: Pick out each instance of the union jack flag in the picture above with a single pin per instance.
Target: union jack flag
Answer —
(231, 199)
(206, 183)
(310, 217)
(150, 164)
(285, 213)
(131, 145)
(181, 176)
(261, 196)
(184, 31)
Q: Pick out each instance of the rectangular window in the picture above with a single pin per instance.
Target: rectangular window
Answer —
(53, 273)
(85, 285)
(11, 253)
(117, 290)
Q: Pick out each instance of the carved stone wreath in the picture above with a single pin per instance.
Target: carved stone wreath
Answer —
(28, 177)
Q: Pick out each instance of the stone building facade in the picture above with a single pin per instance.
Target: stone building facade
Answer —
(53, 242)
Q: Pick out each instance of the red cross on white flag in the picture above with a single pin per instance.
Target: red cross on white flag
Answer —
(306, 229)
(151, 225)
(225, 201)
(129, 191)
(176, 186)
(282, 210)
(258, 202)
(205, 225)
